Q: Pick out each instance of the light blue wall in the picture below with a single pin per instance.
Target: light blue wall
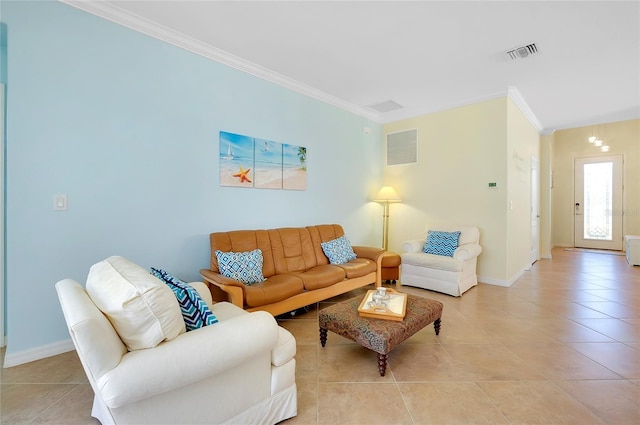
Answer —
(127, 126)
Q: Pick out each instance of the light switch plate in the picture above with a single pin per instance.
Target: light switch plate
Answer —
(60, 203)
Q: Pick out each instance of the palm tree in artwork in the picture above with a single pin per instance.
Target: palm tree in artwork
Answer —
(302, 155)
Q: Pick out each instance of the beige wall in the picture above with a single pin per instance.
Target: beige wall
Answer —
(623, 138)
(523, 144)
(459, 152)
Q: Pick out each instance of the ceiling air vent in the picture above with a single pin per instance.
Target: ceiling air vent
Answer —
(522, 51)
(387, 106)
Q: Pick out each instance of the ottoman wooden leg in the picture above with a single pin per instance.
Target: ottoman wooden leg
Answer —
(323, 336)
(382, 363)
(436, 326)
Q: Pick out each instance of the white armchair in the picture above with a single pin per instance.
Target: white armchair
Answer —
(239, 370)
(450, 275)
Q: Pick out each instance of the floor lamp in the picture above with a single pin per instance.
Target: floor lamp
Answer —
(386, 195)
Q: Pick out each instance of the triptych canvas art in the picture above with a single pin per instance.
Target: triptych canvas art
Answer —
(251, 162)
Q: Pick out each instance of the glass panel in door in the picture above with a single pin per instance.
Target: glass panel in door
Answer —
(598, 202)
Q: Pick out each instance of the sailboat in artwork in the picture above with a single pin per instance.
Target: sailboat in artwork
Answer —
(229, 154)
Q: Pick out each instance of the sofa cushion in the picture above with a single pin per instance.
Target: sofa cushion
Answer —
(242, 241)
(323, 233)
(276, 288)
(358, 267)
(321, 276)
(338, 250)
(441, 243)
(245, 267)
(432, 261)
(195, 311)
(142, 309)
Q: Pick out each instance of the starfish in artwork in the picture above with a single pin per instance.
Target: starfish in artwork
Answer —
(242, 175)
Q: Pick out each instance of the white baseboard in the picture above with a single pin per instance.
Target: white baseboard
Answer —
(491, 281)
(500, 282)
(518, 275)
(15, 359)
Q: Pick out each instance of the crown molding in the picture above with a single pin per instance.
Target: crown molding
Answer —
(111, 12)
(410, 113)
(514, 94)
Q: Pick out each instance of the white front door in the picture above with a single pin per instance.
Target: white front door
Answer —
(598, 202)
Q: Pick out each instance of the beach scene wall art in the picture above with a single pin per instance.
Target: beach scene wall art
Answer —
(263, 164)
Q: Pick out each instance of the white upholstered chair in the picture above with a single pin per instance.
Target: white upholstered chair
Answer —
(450, 275)
(239, 370)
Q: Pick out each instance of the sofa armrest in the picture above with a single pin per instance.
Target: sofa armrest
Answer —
(189, 358)
(233, 288)
(467, 252)
(369, 252)
(413, 245)
(218, 279)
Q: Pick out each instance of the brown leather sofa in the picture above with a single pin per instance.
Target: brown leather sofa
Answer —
(297, 271)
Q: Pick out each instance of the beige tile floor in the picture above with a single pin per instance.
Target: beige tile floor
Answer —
(561, 346)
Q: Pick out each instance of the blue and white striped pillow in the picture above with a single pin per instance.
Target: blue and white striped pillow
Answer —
(195, 312)
(441, 243)
(243, 266)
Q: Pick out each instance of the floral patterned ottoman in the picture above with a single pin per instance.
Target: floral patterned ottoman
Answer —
(378, 335)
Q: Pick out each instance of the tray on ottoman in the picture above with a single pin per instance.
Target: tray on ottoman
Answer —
(394, 307)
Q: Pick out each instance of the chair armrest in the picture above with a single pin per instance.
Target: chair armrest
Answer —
(203, 291)
(413, 245)
(369, 252)
(467, 252)
(189, 358)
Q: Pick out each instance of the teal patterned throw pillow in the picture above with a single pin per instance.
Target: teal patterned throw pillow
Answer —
(338, 251)
(195, 312)
(243, 266)
(441, 243)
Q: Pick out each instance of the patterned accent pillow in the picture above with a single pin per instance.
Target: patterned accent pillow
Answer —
(441, 243)
(338, 251)
(243, 266)
(195, 312)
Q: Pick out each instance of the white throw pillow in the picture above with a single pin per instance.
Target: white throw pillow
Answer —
(142, 309)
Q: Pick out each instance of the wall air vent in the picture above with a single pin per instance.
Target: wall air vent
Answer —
(402, 147)
(387, 106)
(522, 51)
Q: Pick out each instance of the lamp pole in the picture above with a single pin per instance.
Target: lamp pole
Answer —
(385, 226)
(386, 195)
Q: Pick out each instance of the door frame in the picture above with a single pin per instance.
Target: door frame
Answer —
(3, 339)
(535, 210)
(618, 203)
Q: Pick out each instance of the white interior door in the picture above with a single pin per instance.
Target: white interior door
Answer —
(598, 202)
(535, 210)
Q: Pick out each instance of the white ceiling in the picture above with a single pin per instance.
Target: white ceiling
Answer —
(427, 56)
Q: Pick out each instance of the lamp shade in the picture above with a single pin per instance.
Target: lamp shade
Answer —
(387, 194)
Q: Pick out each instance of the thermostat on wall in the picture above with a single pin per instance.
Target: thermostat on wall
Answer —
(493, 185)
